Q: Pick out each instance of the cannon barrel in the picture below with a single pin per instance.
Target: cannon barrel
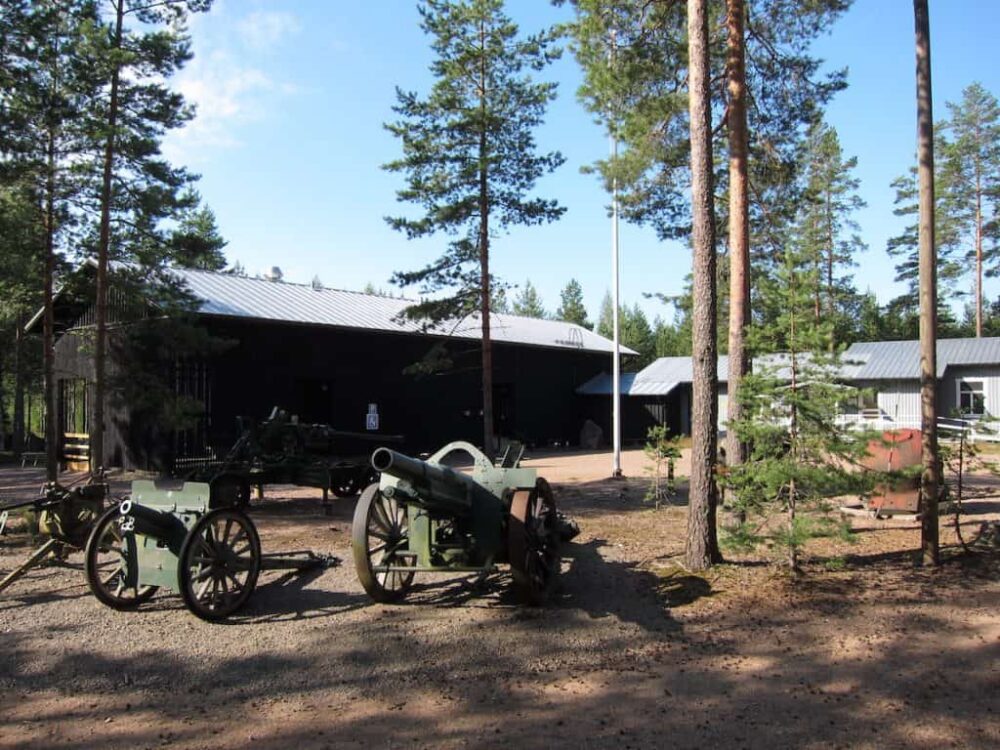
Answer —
(438, 488)
(152, 522)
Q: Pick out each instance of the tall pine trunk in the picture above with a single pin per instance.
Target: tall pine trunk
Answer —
(19, 386)
(702, 544)
(930, 478)
(739, 225)
(100, 345)
(484, 258)
(979, 251)
(48, 317)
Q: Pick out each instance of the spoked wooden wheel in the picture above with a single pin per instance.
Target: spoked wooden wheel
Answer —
(379, 532)
(219, 563)
(110, 562)
(533, 542)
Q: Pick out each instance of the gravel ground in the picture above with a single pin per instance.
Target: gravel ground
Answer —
(864, 651)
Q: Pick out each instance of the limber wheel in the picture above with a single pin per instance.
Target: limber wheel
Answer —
(533, 542)
(110, 557)
(219, 563)
(379, 531)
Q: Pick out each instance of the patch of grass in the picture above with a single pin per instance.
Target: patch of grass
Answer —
(835, 564)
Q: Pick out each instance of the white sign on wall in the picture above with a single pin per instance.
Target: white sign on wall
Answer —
(371, 418)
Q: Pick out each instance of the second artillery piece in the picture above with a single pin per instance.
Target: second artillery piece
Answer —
(423, 516)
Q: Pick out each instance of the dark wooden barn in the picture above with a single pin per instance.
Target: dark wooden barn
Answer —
(337, 357)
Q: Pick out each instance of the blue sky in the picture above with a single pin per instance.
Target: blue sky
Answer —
(292, 94)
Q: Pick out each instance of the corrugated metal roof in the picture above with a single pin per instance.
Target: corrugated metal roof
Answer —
(677, 370)
(900, 360)
(243, 297)
(600, 385)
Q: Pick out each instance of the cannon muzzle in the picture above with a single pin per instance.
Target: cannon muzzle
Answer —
(149, 521)
(437, 488)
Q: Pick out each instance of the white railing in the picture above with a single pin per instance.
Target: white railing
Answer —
(975, 430)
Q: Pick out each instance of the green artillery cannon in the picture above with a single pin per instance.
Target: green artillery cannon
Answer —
(423, 516)
(170, 538)
(65, 514)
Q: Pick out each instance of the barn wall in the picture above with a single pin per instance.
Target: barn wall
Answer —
(74, 360)
(332, 375)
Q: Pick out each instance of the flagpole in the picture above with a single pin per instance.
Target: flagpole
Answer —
(616, 411)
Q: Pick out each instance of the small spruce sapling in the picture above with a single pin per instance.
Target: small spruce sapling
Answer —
(662, 450)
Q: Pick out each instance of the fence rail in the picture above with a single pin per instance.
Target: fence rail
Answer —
(975, 430)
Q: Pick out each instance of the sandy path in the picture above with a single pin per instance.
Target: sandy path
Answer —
(867, 653)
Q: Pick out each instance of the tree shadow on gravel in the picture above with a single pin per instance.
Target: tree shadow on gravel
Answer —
(611, 496)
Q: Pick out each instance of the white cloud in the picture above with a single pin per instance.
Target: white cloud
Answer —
(226, 82)
(227, 95)
(263, 30)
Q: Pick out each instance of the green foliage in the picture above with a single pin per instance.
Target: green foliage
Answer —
(498, 298)
(636, 86)
(196, 242)
(146, 352)
(826, 229)
(572, 309)
(528, 302)
(637, 334)
(972, 164)
(672, 340)
(605, 325)
(469, 154)
(799, 455)
(662, 450)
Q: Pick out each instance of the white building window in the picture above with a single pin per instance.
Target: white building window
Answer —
(971, 397)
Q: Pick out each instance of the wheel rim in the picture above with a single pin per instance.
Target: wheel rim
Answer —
(534, 541)
(386, 533)
(222, 562)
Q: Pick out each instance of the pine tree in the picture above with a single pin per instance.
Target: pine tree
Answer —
(572, 309)
(605, 325)
(637, 334)
(739, 219)
(930, 478)
(947, 236)
(196, 242)
(470, 157)
(829, 235)
(972, 161)
(528, 302)
(702, 547)
(138, 188)
(799, 455)
(49, 88)
(498, 298)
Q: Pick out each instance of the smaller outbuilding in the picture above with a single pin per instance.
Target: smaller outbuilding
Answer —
(886, 375)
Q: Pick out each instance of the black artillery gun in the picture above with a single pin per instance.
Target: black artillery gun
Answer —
(281, 450)
(424, 516)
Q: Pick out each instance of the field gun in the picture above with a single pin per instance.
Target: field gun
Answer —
(424, 516)
(164, 536)
(282, 450)
(65, 513)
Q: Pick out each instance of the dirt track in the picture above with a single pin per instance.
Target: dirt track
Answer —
(865, 651)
